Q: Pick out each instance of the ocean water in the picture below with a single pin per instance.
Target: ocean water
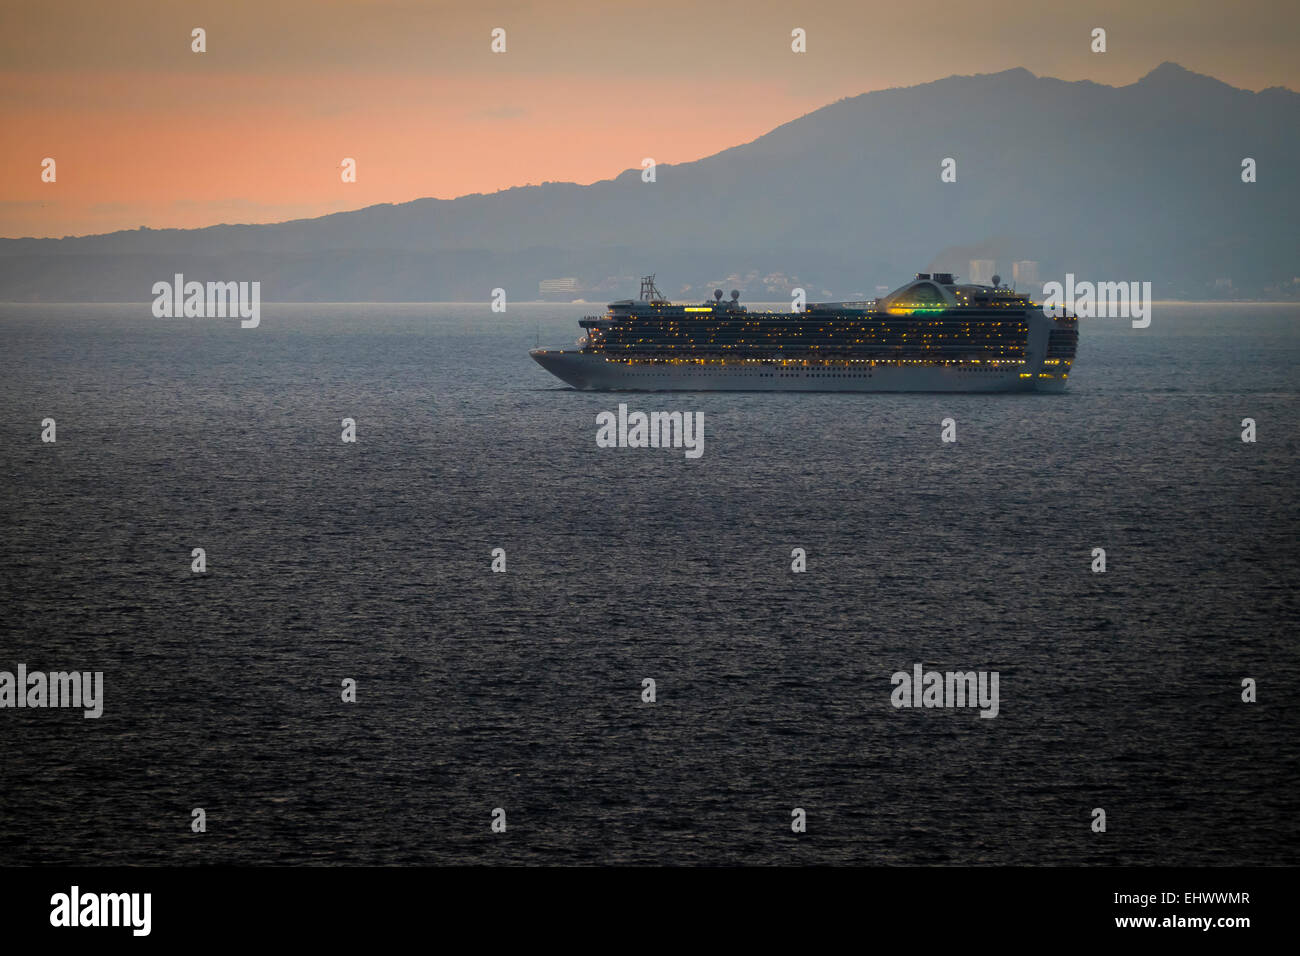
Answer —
(522, 690)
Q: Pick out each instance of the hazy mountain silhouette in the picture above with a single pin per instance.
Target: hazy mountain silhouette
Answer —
(1134, 182)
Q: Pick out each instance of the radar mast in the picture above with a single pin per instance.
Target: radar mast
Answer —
(649, 293)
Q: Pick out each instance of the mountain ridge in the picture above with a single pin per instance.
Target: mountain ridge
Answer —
(1147, 176)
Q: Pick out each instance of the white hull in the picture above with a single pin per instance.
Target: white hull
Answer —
(586, 370)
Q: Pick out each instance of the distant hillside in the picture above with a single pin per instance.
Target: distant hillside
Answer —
(1134, 182)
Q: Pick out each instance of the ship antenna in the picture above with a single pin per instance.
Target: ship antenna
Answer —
(649, 292)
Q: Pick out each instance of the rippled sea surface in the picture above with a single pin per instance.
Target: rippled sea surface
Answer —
(522, 690)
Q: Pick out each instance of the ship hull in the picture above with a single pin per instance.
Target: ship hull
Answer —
(593, 371)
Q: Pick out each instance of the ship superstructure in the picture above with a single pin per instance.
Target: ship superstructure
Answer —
(932, 334)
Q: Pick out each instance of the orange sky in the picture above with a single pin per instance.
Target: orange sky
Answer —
(146, 132)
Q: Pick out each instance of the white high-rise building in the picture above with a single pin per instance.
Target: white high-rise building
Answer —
(982, 270)
(1025, 272)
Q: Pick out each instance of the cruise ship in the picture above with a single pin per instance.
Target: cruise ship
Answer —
(931, 335)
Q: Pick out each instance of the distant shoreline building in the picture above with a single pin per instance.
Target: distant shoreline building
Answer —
(557, 290)
(1025, 272)
(982, 271)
